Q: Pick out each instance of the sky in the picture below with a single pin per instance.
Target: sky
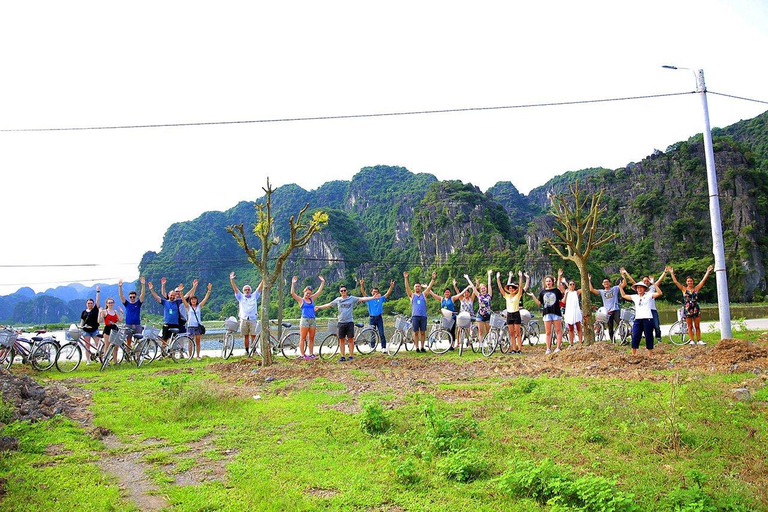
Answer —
(85, 205)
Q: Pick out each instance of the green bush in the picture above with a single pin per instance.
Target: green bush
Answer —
(407, 472)
(373, 420)
(6, 412)
(448, 434)
(463, 465)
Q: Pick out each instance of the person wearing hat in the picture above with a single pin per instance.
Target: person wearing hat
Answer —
(643, 317)
(447, 307)
(376, 309)
(512, 296)
(652, 287)
(308, 322)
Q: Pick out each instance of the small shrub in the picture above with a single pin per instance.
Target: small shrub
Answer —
(407, 472)
(526, 384)
(6, 412)
(463, 465)
(373, 419)
(173, 386)
(448, 434)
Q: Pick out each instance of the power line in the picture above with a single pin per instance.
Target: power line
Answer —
(351, 116)
(737, 97)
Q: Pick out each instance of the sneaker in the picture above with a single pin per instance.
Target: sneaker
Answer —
(350, 358)
(313, 356)
(700, 343)
(547, 352)
(307, 358)
(451, 348)
(556, 350)
(342, 359)
(691, 342)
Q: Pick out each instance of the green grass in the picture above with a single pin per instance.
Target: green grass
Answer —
(664, 440)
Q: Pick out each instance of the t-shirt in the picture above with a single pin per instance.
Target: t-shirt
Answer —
(90, 319)
(610, 298)
(642, 305)
(418, 305)
(249, 307)
(513, 302)
(376, 306)
(550, 301)
(484, 304)
(194, 316)
(171, 311)
(650, 293)
(132, 312)
(447, 304)
(345, 306)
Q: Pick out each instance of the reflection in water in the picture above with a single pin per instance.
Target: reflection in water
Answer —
(710, 314)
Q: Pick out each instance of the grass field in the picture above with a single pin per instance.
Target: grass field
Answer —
(226, 436)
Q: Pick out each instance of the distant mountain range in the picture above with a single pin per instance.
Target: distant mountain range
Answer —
(387, 219)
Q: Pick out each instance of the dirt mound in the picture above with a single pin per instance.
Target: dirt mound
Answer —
(30, 400)
(737, 351)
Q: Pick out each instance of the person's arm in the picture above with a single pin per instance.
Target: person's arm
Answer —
(362, 287)
(365, 299)
(623, 285)
(432, 281)
(207, 294)
(626, 275)
(535, 298)
(658, 293)
(154, 293)
(498, 282)
(520, 280)
(320, 288)
(261, 285)
(659, 280)
(143, 282)
(120, 315)
(391, 287)
(102, 315)
(591, 288)
(183, 297)
(709, 271)
(192, 290)
(674, 279)
(471, 285)
(232, 282)
(120, 291)
(488, 286)
(560, 281)
(407, 286)
(163, 292)
(456, 288)
(293, 289)
(324, 306)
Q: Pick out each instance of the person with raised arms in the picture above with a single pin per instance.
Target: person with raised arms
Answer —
(346, 322)
(132, 308)
(447, 304)
(643, 325)
(419, 310)
(171, 314)
(248, 309)
(653, 287)
(549, 299)
(376, 309)
(610, 296)
(512, 296)
(308, 322)
(691, 304)
(195, 315)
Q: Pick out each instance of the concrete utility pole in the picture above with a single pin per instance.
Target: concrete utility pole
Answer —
(718, 248)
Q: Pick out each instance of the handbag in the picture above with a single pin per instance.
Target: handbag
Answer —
(200, 326)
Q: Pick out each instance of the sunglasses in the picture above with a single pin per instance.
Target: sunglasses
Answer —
(342, 290)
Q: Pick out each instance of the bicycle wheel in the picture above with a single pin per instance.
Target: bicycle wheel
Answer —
(289, 346)
(107, 357)
(254, 350)
(599, 331)
(228, 345)
(440, 341)
(7, 355)
(183, 348)
(534, 332)
(146, 352)
(488, 345)
(566, 340)
(408, 340)
(474, 338)
(505, 344)
(367, 340)
(329, 347)
(44, 355)
(623, 332)
(394, 343)
(678, 333)
(69, 357)
(463, 334)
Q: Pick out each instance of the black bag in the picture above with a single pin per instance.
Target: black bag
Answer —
(201, 328)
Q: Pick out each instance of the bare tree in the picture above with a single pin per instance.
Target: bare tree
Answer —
(301, 232)
(575, 236)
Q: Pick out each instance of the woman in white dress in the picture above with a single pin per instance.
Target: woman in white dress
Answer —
(573, 315)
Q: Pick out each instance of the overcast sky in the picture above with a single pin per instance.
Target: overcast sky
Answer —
(95, 64)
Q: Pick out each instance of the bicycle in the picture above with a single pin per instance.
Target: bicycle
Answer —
(288, 345)
(439, 339)
(117, 347)
(624, 329)
(601, 323)
(497, 337)
(365, 342)
(529, 330)
(468, 334)
(70, 354)
(678, 331)
(402, 337)
(228, 342)
(179, 346)
(145, 346)
(39, 351)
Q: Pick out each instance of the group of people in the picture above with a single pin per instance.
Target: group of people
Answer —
(558, 300)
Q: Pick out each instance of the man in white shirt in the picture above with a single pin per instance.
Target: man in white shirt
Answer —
(248, 309)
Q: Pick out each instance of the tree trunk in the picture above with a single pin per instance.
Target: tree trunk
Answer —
(266, 349)
(588, 324)
(280, 296)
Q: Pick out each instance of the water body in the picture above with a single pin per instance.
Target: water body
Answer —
(709, 313)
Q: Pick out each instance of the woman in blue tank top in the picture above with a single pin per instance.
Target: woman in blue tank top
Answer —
(308, 322)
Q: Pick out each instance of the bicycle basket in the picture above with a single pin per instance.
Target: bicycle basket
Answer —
(525, 316)
(498, 321)
(628, 315)
(231, 324)
(447, 323)
(7, 338)
(333, 325)
(117, 337)
(681, 314)
(463, 319)
(150, 331)
(601, 315)
(401, 323)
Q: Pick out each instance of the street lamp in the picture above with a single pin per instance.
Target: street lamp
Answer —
(723, 304)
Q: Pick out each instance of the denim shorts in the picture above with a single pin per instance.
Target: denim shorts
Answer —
(309, 323)
(193, 330)
(92, 334)
(551, 318)
(419, 323)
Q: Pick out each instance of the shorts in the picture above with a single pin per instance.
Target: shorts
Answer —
(552, 318)
(248, 327)
(419, 323)
(346, 330)
(514, 318)
(109, 328)
(92, 334)
(136, 328)
(484, 318)
(310, 323)
(194, 330)
(166, 334)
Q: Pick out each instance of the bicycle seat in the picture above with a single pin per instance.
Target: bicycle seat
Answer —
(138, 336)
(37, 338)
(435, 320)
(287, 325)
(359, 325)
(173, 330)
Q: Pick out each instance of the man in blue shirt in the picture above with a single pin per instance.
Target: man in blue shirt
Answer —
(132, 308)
(419, 310)
(171, 315)
(375, 309)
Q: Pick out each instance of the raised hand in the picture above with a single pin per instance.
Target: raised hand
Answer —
(526, 274)
(210, 286)
(180, 287)
(498, 274)
(194, 283)
(163, 280)
(120, 283)
(142, 280)
(405, 274)
(294, 279)
(231, 275)
(151, 286)
(559, 272)
(490, 272)
(710, 268)
(434, 275)
(321, 278)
